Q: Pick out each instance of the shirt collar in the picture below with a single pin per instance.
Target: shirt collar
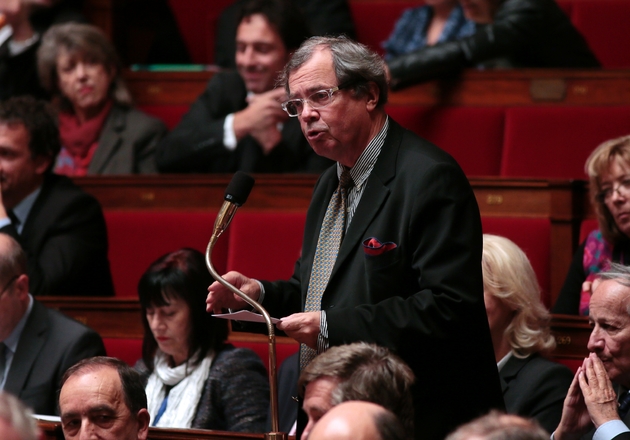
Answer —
(504, 361)
(12, 341)
(365, 163)
(23, 208)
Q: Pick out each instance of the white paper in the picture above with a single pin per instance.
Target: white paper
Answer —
(47, 418)
(244, 315)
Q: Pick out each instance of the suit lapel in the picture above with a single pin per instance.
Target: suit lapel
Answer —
(374, 195)
(109, 141)
(510, 371)
(28, 348)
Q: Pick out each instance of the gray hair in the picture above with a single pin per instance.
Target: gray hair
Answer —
(499, 426)
(354, 64)
(88, 43)
(16, 414)
(619, 273)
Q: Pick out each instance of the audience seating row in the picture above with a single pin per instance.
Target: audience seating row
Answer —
(602, 22)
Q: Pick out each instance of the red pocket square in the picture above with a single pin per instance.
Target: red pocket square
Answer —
(372, 246)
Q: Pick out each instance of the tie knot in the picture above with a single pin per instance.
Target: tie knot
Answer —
(345, 181)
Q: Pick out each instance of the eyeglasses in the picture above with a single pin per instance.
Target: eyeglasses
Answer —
(319, 99)
(8, 284)
(622, 188)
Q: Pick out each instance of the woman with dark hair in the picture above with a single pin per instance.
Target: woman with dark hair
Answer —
(195, 379)
(101, 132)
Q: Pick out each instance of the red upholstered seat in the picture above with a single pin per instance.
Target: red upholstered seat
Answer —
(169, 114)
(125, 349)
(572, 364)
(472, 135)
(375, 20)
(265, 245)
(604, 24)
(588, 225)
(533, 236)
(197, 22)
(137, 238)
(554, 142)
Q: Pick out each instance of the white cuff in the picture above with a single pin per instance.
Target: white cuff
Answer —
(229, 137)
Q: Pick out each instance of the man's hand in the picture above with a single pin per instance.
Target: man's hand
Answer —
(303, 327)
(575, 420)
(220, 297)
(260, 119)
(599, 396)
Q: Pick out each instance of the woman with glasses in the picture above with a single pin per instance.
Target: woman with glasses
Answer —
(608, 169)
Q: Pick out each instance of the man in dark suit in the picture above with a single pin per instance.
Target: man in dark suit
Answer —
(407, 274)
(61, 228)
(37, 345)
(237, 123)
(595, 408)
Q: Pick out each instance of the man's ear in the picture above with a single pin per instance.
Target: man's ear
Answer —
(372, 94)
(143, 418)
(21, 285)
(42, 163)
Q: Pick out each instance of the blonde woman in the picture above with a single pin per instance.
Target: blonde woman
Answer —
(519, 325)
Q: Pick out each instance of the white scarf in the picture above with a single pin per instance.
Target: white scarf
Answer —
(185, 394)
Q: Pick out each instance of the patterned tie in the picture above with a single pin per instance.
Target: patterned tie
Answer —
(330, 236)
(624, 404)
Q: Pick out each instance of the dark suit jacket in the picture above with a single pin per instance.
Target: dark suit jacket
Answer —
(196, 144)
(50, 343)
(18, 73)
(127, 143)
(422, 299)
(535, 387)
(65, 239)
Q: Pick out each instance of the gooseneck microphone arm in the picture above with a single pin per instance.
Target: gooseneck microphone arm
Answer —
(235, 196)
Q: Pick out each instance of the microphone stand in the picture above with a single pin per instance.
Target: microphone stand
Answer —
(223, 220)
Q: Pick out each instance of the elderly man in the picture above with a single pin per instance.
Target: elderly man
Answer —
(61, 227)
(237, 123)
(103, 398)
(592, 400)
(392, 242)
(37, 345)
(357, 420)
(499, 426)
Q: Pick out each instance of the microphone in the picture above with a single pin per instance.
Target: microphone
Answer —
(236, 195)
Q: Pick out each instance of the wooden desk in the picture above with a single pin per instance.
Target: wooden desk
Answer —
(52, 431)
(472, 88)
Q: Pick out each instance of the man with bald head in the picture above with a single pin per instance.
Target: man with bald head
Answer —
(358, 420)
(598, 400)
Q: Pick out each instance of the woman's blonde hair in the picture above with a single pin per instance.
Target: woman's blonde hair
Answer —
(508, 276)
(598, 163)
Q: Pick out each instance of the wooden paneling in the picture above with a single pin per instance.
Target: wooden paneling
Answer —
(571, 333)
(471, 88)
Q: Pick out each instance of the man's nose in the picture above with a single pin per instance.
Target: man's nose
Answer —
(595, 341)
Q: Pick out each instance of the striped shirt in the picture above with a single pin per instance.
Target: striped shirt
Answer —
(360, 173)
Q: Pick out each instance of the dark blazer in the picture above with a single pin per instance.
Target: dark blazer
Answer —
(50, 344)
(65, 239)
(535, 387)
(424, 298)
(524, 33)
(196, 144)
(18, 73)
(127, 143)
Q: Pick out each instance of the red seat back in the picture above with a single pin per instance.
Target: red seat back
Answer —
(588, 225)
(604, 24)
(265, 245)
(472, 135)
(125, 349)
(137, 238)
(169, 114)
(554, 142)
(533, 236)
